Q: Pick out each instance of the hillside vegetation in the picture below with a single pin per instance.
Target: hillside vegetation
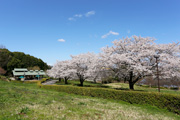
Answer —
(10, 60)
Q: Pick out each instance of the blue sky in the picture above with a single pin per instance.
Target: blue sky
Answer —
(55, 29)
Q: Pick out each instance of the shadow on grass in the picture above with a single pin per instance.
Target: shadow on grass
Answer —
(91, 84)
(63, 84)
(97, 86)
(127, 89)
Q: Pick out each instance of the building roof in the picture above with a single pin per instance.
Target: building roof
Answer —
(24, 72)
(20, 69)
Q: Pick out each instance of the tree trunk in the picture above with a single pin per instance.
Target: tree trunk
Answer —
(65, 80)
(59, 79)
(131, 84)
(95, 80)
(81, 78)
(125, 79)
(81, 81)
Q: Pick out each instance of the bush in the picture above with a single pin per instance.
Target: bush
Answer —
(4, 78)
(167, 101)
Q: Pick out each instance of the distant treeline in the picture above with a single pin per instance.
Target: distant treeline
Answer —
(10, 60)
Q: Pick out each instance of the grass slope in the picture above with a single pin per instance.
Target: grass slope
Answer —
(20, 101)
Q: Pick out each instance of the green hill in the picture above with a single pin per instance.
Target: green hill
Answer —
(10, 60)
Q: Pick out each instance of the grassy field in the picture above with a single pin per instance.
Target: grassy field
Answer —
(119, 86)
(85, 84)
(20, 101)
(125, 86)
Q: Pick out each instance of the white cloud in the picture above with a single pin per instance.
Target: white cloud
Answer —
(71, 19)
(90, 13)
(110, 33)
(78, 15)
(113, 33)
(61, 40)
(104, 36)
(128, 31)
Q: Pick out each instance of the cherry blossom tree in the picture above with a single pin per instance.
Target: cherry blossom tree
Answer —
(83, 65)
(62, 69)
(112, 66)
(54, 71)
(65, 70)
(169, 59)
(96, 68)
(130, 59)
(134, 59)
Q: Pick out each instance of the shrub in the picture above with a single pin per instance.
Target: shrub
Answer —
(4, 78)
(167, 101)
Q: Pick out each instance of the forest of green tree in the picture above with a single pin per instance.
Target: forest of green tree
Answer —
(10, 60)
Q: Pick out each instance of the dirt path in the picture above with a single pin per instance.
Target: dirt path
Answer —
(51, 82)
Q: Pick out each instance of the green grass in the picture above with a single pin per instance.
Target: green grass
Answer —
(125, 86)
(85, 84)
(22, 101)
(119, 86)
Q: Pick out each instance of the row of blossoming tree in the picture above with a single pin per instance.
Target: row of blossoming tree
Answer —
(131, 59)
